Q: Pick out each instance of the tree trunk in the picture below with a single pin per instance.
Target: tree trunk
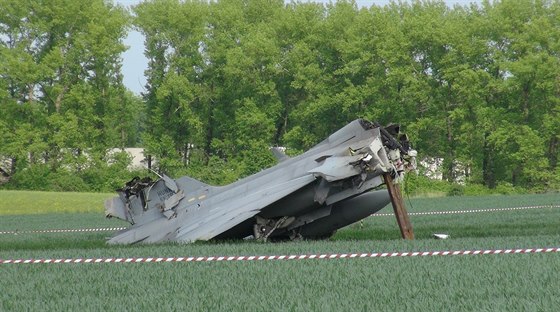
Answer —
(488, 169)
(123, 138)
(515, 173)
(59, 97)
(281, 128)
(13, 166)
(30, 96)
(553, 152)
(525, 99)
(449, 173)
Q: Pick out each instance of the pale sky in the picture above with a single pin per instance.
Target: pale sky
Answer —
(135, 63)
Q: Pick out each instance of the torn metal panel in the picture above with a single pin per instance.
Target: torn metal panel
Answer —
(338, 168)
(114, 207)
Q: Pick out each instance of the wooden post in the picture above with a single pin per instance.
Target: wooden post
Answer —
(399, 208)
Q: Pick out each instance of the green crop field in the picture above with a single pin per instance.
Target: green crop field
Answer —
(521, 282)
(31, 202)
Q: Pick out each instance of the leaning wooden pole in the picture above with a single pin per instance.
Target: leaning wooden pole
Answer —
(399, 208)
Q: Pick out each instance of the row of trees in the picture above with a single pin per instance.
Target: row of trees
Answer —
(478, 86)
(62, 101)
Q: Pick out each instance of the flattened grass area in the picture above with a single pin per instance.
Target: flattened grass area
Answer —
(523, 282)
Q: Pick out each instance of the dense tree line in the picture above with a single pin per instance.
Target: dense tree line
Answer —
(62, 101)
(477, 86)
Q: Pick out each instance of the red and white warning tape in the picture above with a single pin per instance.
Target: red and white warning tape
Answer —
(65, 230)
(467, 211)
(374, 215)
(286, 257)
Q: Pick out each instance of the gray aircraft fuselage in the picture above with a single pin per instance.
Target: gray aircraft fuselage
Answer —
(308, 196)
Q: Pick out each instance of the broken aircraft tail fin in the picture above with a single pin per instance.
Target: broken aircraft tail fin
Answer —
(144, 200)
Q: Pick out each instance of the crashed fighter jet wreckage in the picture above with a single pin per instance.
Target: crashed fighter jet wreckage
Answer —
(308, 196)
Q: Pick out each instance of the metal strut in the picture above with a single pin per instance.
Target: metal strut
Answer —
(398, 206)
(264, 228)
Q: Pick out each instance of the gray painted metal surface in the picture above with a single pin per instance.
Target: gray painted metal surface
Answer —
(308, 196)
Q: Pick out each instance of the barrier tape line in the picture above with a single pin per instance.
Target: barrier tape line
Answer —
(65, 230)
(467, 211)
(373, 215)
(285, 257)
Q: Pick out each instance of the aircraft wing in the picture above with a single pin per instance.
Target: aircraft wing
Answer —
(228, 214)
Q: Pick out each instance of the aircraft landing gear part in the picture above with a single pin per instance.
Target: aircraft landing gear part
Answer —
(263, 228)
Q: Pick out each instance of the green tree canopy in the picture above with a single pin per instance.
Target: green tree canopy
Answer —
(476, 86)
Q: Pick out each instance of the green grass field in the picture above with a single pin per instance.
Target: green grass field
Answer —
(32, 202)
(527, 282)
